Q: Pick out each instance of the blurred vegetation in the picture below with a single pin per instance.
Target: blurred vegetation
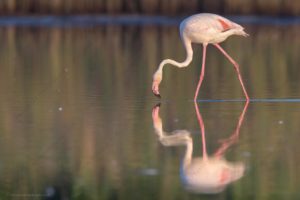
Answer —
(75, 111)
(151, 7)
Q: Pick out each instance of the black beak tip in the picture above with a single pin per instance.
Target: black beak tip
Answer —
(157, 105)
(157, 95)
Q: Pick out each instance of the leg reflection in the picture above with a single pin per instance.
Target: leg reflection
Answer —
(206, 174)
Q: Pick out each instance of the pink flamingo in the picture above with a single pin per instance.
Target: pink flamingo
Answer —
(206, 174)
(207, 29)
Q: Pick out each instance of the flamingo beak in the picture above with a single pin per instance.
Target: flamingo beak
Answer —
(155, 111)
(155, 89)
(157, 95)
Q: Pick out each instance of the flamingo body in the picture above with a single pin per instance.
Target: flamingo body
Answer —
(206, 174)
(211, 175)
(205, 28)
(208, 28)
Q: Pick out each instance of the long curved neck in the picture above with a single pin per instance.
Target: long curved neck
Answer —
(189, 56)
(187, 159)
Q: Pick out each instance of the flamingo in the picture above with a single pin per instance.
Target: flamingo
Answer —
(206, 174)
(204, 28)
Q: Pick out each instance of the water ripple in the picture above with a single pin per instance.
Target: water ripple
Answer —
(252, 100)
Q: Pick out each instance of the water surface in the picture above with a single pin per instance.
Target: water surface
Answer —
(76, 112)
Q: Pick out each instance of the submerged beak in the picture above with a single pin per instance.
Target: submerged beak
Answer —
(157, 95)
(155, 89)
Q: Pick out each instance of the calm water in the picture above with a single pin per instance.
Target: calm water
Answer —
(78, 119)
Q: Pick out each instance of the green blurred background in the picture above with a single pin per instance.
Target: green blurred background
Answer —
(76, 102)
(151, 7)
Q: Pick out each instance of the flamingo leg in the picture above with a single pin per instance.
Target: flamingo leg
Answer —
(234, 137)
(202, 72)
(201, 124)
(236, 66)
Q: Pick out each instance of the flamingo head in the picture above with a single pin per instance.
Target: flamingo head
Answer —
(155, 84)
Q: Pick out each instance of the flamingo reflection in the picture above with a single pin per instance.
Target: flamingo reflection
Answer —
(206, 174)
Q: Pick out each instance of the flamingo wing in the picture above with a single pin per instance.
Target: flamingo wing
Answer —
(225, 25)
